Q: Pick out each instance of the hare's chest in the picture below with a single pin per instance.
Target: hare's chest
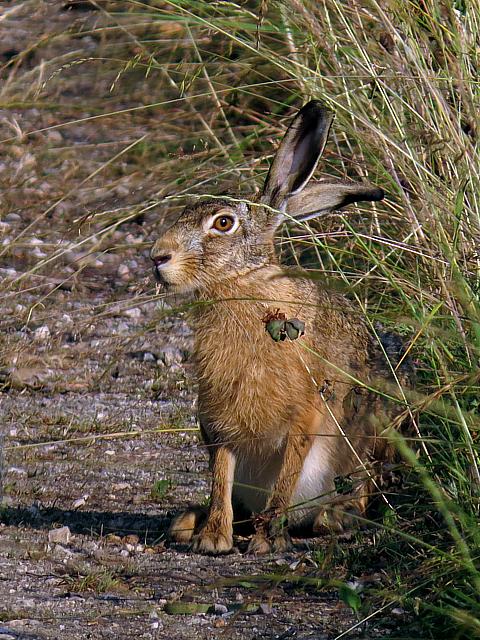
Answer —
(247, 386)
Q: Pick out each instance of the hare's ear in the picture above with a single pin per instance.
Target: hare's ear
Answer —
(298, 154)
(323, 197)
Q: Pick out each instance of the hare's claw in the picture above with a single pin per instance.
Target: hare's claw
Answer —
(271, 536)
(259, 545)
(213, 541)
(282, 543)
(340, 517)
(184, 525)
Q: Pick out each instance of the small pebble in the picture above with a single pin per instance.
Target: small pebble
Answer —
(42, 334)
(220, 609)
(121, 191)
(134, 313)
(219, 623)
(54, 136)
(12, 218)
(265, 608)
(123, 272)
(59, 536)
(80, 502)
(170, 356)
(61, 553)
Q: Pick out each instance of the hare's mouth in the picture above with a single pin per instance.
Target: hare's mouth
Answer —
(174, 272)
(169, 281)
(160, 278)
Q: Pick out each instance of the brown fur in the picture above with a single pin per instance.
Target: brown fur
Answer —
(275, 412)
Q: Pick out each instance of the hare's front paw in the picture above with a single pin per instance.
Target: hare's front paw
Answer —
(259, 545)
(262, 544)
(339, 518)
(271, 534)
(212, 540)
(184, 525)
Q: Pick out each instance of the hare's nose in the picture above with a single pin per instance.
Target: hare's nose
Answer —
(161, 259)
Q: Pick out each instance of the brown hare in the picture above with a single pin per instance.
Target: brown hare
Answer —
(284, 419)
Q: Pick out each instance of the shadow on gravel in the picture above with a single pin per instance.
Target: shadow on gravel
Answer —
(7, 632)
(148, 528)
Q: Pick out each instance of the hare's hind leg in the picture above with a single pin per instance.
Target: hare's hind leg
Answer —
(186, 524)
(344, 512)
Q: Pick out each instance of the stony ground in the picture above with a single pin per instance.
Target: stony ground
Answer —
(97, 399)
(84, 449)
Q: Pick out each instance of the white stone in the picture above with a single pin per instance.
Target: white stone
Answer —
(134, 313)
(59, 536)
(42, 334)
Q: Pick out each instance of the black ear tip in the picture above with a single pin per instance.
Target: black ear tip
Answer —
(316, 109)
(377, 194)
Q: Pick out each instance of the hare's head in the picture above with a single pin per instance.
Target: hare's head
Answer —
(219, 239)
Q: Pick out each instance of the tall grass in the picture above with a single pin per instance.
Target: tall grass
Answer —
(403, 79)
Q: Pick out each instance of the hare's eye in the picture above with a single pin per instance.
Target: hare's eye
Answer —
(223, 223)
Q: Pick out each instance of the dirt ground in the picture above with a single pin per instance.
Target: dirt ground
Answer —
(93, 366)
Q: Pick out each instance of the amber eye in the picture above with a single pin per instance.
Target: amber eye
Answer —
(223, 223)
